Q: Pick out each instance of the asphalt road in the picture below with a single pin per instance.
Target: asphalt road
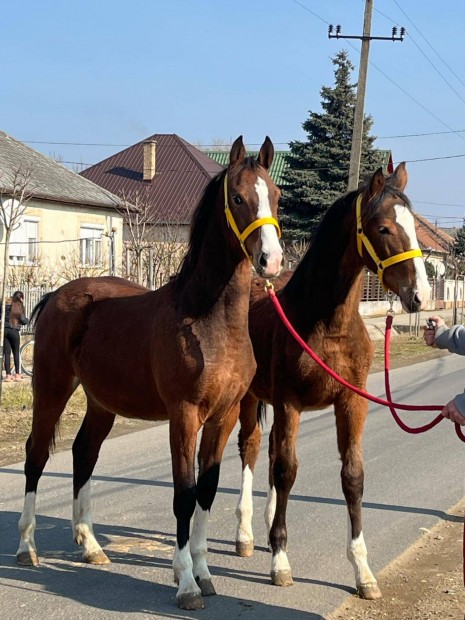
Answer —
(410, 482)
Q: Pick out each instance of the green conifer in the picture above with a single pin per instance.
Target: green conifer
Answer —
(319, 167)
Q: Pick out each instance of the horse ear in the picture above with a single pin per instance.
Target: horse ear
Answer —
(399, 177)
(265, 157)
(377, 184)
(237, 154)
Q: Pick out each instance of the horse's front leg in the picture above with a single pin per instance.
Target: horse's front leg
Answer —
(282, 474)
(184, 427)
(351, 412)
(215, 435)
(249, 448)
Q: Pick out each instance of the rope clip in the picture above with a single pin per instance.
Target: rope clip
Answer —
(390, 297)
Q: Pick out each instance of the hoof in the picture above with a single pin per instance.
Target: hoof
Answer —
(190, 601)
(244, 549)
(27, 558)
(206, 587)
(282, 578)
(98, 557)
(369, 591)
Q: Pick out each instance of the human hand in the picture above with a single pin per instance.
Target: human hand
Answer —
(429, 333)
(451, 412)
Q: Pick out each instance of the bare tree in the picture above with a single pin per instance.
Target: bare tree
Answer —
(139, 218)
(71, 266)
(154, 247)
(15, 193)
(294, 252)
(38, 273)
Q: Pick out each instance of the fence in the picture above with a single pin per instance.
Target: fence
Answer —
(444, 294)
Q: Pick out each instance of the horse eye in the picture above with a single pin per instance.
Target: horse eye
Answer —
(237, 200)
(383, 230)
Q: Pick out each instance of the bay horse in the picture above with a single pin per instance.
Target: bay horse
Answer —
(189, 341)
(321, 299)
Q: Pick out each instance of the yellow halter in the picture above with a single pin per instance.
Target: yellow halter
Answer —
(242, 236)
(381, 265)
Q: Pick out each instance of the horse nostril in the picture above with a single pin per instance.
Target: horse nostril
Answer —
(263, 260)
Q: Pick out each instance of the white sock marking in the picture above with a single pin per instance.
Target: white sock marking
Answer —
(270, 509)
(82, 522)
(357, 556)
(244, 510)
(27, 525)
(182, 566)
(198, 544)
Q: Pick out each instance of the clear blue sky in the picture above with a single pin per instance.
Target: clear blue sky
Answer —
(114, 72)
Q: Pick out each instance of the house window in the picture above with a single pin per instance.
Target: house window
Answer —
(24, 242)
(91, 246)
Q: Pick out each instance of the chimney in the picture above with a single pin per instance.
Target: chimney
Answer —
(150, 151)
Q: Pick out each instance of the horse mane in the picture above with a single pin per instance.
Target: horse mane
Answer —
(332, 228)
(201, 218)
(199, 224)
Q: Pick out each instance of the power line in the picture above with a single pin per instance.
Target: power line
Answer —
(386, 76)
(229, 144)
(429, 44)
(416, 135)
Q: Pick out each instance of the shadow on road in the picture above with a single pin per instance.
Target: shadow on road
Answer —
(108, 588)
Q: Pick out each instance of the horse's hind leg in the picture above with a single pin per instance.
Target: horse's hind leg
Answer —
(95, 427)
(351, 412)
(51, 393)
(282, 474)
(249, 448)
(214, 438)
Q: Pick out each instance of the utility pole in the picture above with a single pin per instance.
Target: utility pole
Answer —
(357, 131)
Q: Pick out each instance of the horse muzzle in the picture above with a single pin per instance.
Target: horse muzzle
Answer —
(269, 265)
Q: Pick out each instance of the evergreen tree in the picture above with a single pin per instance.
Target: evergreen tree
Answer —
(319, 167)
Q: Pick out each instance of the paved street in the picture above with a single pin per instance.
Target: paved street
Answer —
(408, 486)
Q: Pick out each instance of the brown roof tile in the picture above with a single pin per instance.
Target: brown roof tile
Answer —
(431, 237)
(182, 173)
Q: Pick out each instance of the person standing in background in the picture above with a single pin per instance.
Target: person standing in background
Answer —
(15, 317)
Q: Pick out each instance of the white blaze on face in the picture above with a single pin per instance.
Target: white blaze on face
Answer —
(404, 218)
(271, 247)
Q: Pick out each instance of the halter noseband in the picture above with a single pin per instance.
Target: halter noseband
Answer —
(381, 265)
(242, 236)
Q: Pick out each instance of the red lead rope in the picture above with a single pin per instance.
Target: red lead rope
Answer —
(374, 399)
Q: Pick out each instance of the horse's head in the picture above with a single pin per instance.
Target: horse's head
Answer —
(386, 223)
(251, 202)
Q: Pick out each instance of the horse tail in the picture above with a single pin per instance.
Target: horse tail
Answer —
(261, 413)
(40, 305)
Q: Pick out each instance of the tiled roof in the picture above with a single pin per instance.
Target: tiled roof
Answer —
(49, 179)
(280, 164)
(277, 169)
(431, 237)
(182, 173)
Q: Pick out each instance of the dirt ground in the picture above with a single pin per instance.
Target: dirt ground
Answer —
(425, 582)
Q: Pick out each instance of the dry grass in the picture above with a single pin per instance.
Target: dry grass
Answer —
(16, 409)
(16, 417)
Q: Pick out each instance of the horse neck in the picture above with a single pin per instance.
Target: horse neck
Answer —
(327, 282)
(217, 273)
